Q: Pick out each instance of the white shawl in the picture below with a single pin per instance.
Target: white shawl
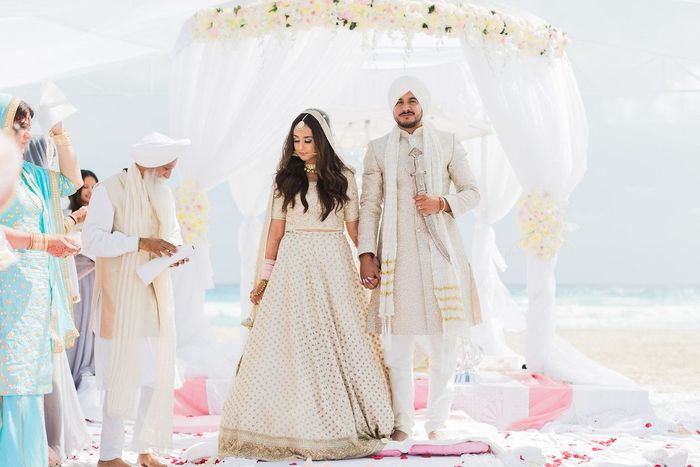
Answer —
(446, 283)
(125, 372)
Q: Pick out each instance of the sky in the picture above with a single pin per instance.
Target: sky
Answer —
(637, 210)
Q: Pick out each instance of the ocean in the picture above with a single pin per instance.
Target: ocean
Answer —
(578, 306)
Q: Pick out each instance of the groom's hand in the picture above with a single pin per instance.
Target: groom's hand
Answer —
(427, 204)
(370, 274)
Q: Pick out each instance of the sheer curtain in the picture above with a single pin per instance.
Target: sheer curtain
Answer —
(499, 189)
(537, 112)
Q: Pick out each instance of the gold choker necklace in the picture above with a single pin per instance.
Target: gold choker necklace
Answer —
(310, 168)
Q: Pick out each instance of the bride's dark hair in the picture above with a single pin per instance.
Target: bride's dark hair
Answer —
(332, 184)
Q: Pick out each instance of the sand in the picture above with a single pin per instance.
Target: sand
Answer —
(662, 360)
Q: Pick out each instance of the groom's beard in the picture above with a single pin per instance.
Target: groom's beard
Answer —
(161, 200)
(414, 122)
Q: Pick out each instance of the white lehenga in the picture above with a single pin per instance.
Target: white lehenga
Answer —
(311, 381)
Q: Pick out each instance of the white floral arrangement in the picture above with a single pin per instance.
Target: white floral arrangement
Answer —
(541, 226)
(442, 19)
(192, 211)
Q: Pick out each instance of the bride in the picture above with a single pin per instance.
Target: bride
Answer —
(310, 382)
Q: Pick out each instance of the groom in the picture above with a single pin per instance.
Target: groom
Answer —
(415, 263)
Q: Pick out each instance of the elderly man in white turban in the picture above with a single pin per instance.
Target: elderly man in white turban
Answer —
(132, 220)
(415, 263)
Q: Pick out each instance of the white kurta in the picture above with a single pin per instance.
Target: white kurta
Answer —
(101, 240)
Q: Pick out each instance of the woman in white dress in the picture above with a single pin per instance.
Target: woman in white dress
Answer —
(310, 382)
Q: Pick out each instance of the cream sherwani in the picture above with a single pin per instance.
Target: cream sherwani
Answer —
(103, 239)
(416, 309)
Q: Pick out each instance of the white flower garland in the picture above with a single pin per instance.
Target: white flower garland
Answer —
(477, 24)
(192, 211)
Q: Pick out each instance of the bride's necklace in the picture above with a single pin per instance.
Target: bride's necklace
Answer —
(310, 168)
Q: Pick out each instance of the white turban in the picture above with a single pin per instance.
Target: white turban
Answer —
(404, 84)
(156, 150)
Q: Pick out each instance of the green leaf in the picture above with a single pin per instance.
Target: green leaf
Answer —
(273, 9)
(431, 9)
(236, 9)
(425, 26)
(219, 10)
(448, 28)
(353, 25)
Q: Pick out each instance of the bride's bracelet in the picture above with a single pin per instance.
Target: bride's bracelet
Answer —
(62, 139)
(262, 285)
(38, 242)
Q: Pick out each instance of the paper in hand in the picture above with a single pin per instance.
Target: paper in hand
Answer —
(53, 107)
(149, 271)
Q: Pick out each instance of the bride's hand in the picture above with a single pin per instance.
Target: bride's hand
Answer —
(257, 293)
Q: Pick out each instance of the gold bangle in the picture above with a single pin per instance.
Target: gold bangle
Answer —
(38, 242)
(62, 139)
(43, 243)
(264, 286)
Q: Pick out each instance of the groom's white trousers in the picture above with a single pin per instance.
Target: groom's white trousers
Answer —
(398, 357)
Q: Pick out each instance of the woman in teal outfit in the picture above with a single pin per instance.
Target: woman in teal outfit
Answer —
(35, 307)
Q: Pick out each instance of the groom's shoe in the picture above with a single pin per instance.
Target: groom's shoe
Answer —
(149, 460)
(399, 435)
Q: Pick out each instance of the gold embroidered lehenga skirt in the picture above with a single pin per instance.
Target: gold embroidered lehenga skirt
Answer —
(311, 381)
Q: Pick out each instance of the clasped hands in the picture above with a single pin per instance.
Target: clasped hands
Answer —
(370, 267)
(370, 271)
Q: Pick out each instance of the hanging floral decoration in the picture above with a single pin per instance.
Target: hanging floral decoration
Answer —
(476, 24)
(541, 226)
(192, 211)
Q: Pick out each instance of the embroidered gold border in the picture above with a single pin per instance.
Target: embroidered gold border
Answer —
(11, 112)
(241, 443)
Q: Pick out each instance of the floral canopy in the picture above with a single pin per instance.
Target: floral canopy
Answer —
(500, 81)
(440, 19)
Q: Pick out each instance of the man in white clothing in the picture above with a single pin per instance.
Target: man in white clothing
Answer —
(131, 221)
(416, 263)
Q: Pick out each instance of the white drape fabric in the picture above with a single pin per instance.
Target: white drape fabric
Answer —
(537, 112)
(499, 189)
